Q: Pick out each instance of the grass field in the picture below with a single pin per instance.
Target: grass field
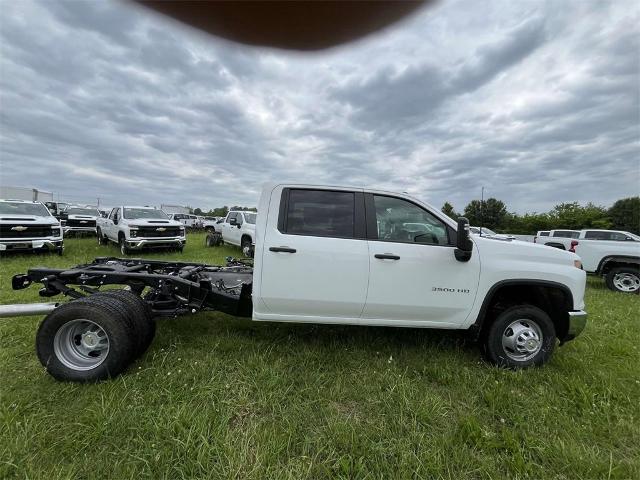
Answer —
(219, 397)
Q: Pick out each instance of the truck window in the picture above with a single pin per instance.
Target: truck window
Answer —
(566, 234)
(321, 213)
(544, 234)
(399, 220)
(230, 216)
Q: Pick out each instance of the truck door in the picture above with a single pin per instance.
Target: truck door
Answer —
(108, 225)
(315, 264)
(414, 276)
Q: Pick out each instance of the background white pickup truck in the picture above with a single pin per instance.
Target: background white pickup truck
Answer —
(239, 228)
(28, 225)
(135, 228)
(79, 219)
(616, 258)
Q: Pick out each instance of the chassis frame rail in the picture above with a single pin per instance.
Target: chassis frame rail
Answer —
(169, 288)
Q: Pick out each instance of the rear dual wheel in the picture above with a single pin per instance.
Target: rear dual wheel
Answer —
(96, 337)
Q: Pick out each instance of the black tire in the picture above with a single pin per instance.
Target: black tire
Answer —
(110, 320)
(623, 280)
(530, 321)
(123, 246)
(60, 251)
(247, 248)
(140, 317)
(213, 239)
(101, 240)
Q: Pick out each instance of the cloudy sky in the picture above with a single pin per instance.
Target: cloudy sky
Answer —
(537, 101)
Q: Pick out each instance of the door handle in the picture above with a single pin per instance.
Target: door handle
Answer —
(387, 256)
(282, 249)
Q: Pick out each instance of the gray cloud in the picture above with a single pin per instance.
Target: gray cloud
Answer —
(538, 102)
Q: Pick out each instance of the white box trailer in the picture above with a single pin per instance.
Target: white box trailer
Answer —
(25, 193)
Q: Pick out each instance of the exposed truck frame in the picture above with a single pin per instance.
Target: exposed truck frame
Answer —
(172, 288)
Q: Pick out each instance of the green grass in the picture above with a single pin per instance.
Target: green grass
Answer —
(220, 397)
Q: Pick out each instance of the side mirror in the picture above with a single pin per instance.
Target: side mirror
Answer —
(464, 245)
(233, 221)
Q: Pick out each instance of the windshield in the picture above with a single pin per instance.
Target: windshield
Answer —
(82, 211)
(250, 218)
(144, 213)
(635, 237)
(18, 208)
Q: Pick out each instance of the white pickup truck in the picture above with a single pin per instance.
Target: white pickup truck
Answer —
(239, 229)
(76, 219)
(613, 254)
(135, 228)
(330, 255)
(28, 226)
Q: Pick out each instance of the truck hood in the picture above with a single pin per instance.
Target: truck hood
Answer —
(528, 249)
(28, 220)
(153, 222)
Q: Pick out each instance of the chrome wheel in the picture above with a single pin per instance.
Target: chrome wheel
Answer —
(626, 282)
(522, 340)
(81, 344)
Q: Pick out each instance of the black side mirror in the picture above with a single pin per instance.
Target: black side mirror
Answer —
(464, 245)
(233, 221)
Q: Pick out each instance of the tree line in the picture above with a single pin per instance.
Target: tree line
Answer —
(624, 214)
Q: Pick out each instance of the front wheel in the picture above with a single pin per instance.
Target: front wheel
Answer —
(247, 248)
(520, 337)
(123, 246)
(623, 279)
(101, 240)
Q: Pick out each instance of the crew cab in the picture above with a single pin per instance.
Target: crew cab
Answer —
(77, 219)
(328, 255)
(135, 228)
(612, 254)
(28, 226)
(239, 229)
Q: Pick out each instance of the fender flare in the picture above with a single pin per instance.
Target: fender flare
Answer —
(476, 327)
(618, 259)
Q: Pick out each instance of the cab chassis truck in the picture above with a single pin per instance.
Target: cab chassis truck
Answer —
(332, 255)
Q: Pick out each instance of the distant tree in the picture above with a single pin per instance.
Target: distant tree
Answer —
(491, 213)
(448, 210)
(625, 214)
(197, 211)
(576, 217)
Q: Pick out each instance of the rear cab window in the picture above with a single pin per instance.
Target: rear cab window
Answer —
(320, 213)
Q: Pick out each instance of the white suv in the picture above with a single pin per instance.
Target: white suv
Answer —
(239, 228)
(26, 225)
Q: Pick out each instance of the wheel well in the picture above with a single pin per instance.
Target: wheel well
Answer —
(121, 236)
(554, 299)
(609, 265)
(246, 237)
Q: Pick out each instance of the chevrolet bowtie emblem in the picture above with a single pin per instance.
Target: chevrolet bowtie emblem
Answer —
(160, 229)
(19, 228)
(83, 221)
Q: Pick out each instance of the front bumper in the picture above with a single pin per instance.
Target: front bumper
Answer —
(25, 244)
(140, 243)
(577, 323)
